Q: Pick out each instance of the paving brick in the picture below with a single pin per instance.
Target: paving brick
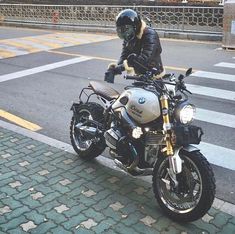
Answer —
(5, 209)
(11, 202)
(60, 230)
(7, 175)
(104, 226)
(17, 212)
(24, 163)
(27, 186)
(220, 219)
(112, 214)
(121, 229)
(37, 195)
(65, 182)
(55, 216)
(132, 218)
(116, 206)
(148, 221)
(74, 222)
(102, 203)
(228, 228)
(54, 180)
(61, 208)
(75, 210)
(15, 184)
(50, 197)
(43, 227)
(60, 188)
(34, 216)
(13, 223)
(28, 226)
(9, 191)
(91, 213)
(48, 206)
(89, 193)
(205, 226)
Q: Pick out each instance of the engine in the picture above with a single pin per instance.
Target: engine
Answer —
(112, 137)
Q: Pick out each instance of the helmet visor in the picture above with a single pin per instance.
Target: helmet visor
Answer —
(126, 32)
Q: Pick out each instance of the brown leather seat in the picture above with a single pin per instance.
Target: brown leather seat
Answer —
(104, 90)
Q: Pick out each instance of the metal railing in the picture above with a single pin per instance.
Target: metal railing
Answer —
(177, 18)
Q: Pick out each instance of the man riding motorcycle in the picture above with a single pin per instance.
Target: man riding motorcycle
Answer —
(141, 47)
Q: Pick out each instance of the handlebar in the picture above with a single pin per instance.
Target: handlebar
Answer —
(127, 77)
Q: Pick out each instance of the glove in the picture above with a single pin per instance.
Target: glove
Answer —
(109, 76)
(117, 69)
(131, 59)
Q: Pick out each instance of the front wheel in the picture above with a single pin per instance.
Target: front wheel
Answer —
(195, 192)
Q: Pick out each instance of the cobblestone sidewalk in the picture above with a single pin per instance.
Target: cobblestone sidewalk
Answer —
(47, 190)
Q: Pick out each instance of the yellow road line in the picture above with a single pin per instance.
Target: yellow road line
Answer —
(19, 121)
(6, 53)
(114, 60)
(30, 49)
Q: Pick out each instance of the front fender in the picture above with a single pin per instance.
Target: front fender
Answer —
(189, 149)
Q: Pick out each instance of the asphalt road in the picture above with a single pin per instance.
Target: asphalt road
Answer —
(44, 98)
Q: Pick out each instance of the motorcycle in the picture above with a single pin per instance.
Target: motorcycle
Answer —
(148, 130)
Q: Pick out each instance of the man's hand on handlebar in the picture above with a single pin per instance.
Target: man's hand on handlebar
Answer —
(113, 70)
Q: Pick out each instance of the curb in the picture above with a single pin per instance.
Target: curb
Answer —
(218, 204)
(90, 28)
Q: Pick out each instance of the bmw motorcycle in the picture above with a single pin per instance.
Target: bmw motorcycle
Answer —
(148, 130)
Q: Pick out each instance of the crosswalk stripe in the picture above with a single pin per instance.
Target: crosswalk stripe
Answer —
(15, 51)
(228, 65)
(214, 75)
(211, 92)
(215, 117)
(38, 41)
(43, 68)
(6, 53)
(218, 155)
(19, 45)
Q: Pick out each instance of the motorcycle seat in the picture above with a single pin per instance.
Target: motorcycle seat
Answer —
(104, 90)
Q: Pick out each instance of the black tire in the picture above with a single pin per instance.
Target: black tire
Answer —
(207, 193)
(95, 149)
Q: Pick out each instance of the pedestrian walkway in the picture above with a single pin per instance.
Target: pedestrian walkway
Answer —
(44, 189)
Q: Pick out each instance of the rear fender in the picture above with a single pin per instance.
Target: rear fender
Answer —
(75, 108)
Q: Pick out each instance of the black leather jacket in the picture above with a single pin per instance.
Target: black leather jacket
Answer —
(146, 45)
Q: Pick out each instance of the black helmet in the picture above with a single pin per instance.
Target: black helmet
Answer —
(128, 24)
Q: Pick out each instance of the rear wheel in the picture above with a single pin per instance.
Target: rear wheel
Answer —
(84, 147)
(193, 196)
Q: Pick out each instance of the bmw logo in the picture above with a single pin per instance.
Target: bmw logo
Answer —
(141, 100)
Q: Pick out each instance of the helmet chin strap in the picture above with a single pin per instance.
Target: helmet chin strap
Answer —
(131, 42)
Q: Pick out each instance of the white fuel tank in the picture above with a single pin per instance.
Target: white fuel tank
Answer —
(142, 105)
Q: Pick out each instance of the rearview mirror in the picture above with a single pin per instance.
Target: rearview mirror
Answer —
(189, 72)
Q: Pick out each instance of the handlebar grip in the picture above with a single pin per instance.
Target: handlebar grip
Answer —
(127, 77)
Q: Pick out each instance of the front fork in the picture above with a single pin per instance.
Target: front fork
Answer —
(173, 154)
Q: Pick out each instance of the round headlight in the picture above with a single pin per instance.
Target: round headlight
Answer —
(186, 114)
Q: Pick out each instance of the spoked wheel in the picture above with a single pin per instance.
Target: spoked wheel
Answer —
(84, 147)
(192, 195)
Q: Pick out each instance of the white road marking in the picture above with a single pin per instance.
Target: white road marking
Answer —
(218, 155)
(43, 68)
(214, 75)
(215, 117)
(211, 92)
(228, 65)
